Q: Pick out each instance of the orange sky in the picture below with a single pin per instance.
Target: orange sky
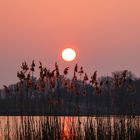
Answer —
(105, 34)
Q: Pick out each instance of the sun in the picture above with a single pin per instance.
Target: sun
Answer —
(68, 54)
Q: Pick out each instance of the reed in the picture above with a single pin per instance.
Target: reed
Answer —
(55, 96)
(70, 128)
(53, 93)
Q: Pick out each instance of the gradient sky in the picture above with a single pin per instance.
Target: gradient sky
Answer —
(105, 34)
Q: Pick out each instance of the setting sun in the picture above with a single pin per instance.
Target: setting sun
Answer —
(68, 54)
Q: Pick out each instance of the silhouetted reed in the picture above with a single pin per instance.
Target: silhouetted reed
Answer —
(53, 93)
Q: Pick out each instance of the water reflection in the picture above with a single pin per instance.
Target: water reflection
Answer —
(22, 127)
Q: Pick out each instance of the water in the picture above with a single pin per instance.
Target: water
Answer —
(41, 127)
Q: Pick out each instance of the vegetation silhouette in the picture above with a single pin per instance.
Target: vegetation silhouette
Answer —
(53, 93)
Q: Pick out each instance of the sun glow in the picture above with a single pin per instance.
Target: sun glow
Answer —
(68, 54)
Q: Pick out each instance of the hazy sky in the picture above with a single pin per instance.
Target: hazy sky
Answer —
(105, 34)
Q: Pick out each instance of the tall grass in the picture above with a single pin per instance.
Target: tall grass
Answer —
(70, 128)
(53, 93)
